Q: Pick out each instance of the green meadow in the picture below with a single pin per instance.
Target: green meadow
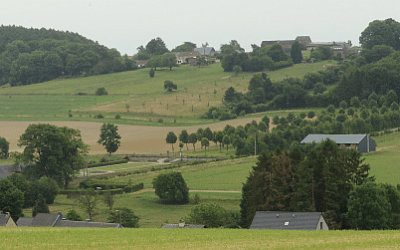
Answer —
(126, 238)
(136, 97)
(385, 162)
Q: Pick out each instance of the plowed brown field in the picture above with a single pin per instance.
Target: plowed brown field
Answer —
(135, 139)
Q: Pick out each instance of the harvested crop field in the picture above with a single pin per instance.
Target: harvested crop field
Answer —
(135, 139)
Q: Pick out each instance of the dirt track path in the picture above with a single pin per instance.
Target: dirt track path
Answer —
(135, 139)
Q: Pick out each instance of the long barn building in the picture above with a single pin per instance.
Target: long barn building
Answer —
(361, 142)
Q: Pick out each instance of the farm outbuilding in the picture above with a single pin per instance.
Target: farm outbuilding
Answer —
(363, 143)
(289, 221)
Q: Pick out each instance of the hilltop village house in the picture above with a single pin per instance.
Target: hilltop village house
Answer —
(289, 221)
(344, 48)
(363, 143)
(184, 57)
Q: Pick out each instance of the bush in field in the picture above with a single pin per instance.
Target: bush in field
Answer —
(211, 215)
(125, 216)
(172, 188)
(101, 91)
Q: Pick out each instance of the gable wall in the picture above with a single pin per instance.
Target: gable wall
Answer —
(324, 225)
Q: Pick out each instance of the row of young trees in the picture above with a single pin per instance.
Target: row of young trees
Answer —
(204, 136)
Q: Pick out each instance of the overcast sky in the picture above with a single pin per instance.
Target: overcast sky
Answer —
(125, 25)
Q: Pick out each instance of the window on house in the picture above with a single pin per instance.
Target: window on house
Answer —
(286, 223)
(321, 225)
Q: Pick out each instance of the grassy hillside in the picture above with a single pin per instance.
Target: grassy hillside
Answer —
(198, 89)
(115, 238)
(385, 164)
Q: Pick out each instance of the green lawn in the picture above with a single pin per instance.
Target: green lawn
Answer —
(126, 238)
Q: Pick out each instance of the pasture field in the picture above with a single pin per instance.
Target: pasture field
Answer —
(138, 98)
(127, 238)
(385, 162)
(228, 175)
(152, 212)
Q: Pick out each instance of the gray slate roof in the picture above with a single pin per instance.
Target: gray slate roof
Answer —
(208, 51)
(58, 220)
(187, 226)
(45, 220)
(69, 223)
(24, 222)
(3, 221)
(6, 170)
(286, 220)
(338, 139)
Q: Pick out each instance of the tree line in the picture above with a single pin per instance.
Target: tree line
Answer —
(322, 178)
(29, 56)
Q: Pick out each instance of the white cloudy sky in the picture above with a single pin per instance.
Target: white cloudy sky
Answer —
(125, 25)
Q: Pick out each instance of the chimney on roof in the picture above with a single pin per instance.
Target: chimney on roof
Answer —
(8, 214)
(181, 224)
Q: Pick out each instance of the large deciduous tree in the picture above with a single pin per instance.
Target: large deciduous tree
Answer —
(378, 32)
(11, 199)
(156, 47)
(55, 152)
(172, 188)
(168, 60)
(186, 46)
(109, 137)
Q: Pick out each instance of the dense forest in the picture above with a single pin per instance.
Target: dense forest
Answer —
(30, 56)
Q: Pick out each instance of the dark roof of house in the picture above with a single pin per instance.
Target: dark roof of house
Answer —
(45, 220)
(303, 39)
(338, 139)
(208, 50)
(3, 221)
(281, 42)
(286, 220)
(6, 170)
(187, 226)
(69, 223)
(24, 222)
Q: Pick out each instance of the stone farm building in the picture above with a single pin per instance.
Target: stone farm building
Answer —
(289, 221)
(363, 143)
(343, 48)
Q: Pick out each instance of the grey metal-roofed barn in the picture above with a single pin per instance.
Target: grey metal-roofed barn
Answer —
(362, 142)
(289, 221)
